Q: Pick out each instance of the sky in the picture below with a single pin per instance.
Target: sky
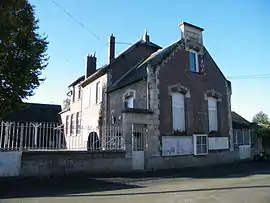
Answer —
(236, 34)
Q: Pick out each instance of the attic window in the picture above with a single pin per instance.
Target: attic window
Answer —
(193, 61)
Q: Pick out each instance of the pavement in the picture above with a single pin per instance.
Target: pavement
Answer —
(236, 182)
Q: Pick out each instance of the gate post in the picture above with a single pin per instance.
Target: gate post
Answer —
(127, 134)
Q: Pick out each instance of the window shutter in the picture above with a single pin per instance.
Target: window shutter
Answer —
(212, 114)
(178, 111)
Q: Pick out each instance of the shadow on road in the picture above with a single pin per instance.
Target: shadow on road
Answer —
(76, 185)
(56, 187)
(171, 191)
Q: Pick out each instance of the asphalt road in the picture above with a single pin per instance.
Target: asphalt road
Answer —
(241, 182)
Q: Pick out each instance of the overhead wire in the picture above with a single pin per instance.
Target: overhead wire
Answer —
(258, 76)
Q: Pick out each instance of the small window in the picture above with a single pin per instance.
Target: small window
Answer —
(79, 93)
(178, 111)
(98, 92)
(72, 124)
(200, 144)
(67, 125)
(73, 94)
(212, 114)
(193, 61)
(78, 123)
(129, 102)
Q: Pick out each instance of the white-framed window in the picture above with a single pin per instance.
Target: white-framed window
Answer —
(73, 94)
(212, 114)
(193, 61)
(72, 124)
(98, 92)
(178, 112)
(78, 122)
(67, 125)
(129, 102)
(200, 143)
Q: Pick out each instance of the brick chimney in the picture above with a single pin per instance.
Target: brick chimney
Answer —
(111, 48)
(192, 35)
(91, 65)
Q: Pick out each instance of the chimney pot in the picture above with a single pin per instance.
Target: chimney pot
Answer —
(111, 48)
(91, 65)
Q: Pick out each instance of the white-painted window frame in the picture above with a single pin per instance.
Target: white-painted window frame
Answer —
(195, 145)
(178, 112)
(212, 114)
(197, 70)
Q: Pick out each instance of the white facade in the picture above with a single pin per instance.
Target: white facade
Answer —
(93, 98)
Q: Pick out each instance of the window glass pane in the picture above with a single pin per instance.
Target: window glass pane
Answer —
(204, 140)
(192, 61)
(246, 137)
(178, 111)
(204, 148)
(199, 140)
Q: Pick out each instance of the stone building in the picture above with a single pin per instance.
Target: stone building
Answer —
(177, 94)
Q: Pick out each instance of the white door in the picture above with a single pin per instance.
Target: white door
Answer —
(245, 151)
(138, 144)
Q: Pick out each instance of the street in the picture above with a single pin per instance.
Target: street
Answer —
(238, 182)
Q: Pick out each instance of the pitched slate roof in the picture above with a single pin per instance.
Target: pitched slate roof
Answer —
(78, 80)
(32, 112)
(139, 72)
(239, 122)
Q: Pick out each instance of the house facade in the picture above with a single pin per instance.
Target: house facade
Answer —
(178, 93)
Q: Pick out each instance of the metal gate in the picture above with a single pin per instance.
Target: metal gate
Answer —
(138, 146)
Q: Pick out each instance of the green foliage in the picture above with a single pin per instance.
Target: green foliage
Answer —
(22, 53)
(263, 131)
(66, 104)
(261, 118)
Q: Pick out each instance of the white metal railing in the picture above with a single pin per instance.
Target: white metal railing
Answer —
(17, 136)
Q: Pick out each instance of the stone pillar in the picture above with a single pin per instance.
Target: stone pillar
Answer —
(127, 133)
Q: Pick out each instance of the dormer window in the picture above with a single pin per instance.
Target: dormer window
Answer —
(193, 61)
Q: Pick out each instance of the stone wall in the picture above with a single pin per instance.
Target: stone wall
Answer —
(116, 100)
(168, 162)
(67, 163)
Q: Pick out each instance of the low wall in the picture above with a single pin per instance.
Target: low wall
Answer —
(168, 162)
(67, 163)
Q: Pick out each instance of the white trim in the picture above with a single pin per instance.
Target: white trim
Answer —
(195, 144)
(128, 93)
(196, 60)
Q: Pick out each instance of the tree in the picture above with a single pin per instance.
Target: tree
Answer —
(261, 118)
(22, 53)
(66, 104)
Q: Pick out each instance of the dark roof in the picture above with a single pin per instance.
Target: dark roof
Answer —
(105, 68)
(81, 78)
(32, 112)
(239, 122)
(139, 71)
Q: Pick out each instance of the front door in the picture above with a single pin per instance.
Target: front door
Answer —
(138, 143)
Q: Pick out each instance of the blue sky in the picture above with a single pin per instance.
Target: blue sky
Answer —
(236, 33)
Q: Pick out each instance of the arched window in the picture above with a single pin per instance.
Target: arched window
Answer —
(129, 99)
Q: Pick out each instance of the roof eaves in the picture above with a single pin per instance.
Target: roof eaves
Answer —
(101, 71)
(79, 79)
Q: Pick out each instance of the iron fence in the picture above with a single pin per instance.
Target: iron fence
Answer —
(30, 136)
